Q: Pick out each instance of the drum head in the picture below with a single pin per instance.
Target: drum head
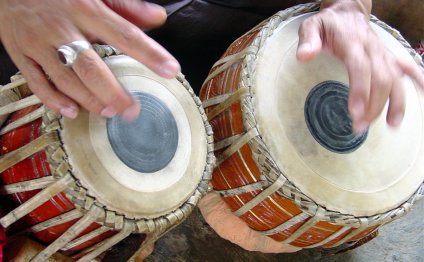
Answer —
(146, 168)
(301, 113)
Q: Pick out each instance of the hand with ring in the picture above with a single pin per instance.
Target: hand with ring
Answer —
(42, 37)
(342, 28)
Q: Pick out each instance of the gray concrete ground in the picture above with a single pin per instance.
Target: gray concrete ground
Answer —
(399, 241)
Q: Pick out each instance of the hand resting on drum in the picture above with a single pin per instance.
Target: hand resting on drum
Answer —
(375, 74)
(31, 32)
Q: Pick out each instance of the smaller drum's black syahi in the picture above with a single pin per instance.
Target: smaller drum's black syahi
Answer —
(148, 143)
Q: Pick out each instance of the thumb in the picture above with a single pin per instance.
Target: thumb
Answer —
(310, 42)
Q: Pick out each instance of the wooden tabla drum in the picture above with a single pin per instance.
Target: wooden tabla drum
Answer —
(288, 163)
(83, 185)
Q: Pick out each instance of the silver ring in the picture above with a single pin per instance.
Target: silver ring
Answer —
(68, 53)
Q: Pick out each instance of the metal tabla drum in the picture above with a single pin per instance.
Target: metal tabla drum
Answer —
(83, 185)
(288, 163)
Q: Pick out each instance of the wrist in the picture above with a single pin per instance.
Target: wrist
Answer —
(364, 6)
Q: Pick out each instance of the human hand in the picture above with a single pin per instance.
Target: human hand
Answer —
(342, 28)
(31, 32)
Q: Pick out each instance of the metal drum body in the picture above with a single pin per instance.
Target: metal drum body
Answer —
(272, 170)
(72, 183)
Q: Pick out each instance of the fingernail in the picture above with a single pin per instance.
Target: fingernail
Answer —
(108, 112)
(305, 48)
(357, 109)
(131, 113)
(154, 10)
(169, 69)
(154, 6)
(69, 112)
(396, 120)
(360, 128)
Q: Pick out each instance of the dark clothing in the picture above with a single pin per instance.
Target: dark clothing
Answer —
(198, 32)
(7, 68)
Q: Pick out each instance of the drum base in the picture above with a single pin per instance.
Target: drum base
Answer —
(194, 240)
(24, 249)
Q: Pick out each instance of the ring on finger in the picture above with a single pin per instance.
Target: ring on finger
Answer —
(68, 53)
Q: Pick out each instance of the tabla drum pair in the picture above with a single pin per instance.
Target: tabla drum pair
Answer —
(80, 186)
(288, 163)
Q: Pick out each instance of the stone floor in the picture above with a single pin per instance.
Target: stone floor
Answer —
(402, 240)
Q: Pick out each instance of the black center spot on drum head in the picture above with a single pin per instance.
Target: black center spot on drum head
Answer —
(328, 119)
(148, 143)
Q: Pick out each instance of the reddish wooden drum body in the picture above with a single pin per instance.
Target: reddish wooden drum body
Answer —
(35, 167)
(241, 169)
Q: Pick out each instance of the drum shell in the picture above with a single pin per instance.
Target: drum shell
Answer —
(46, 169)
(37, 166)
(241, 167)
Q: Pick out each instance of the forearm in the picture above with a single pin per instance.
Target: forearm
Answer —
(364, 6)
